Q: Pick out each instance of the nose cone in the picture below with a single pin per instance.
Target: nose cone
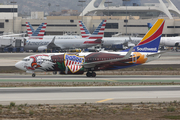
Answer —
(19, 65)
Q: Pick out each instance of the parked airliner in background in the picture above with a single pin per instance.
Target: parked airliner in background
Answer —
(78, 63)
(30, 31)
(110, 41)
(66, 42)
(168, 41)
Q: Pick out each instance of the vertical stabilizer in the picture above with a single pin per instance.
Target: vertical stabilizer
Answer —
(39, 33)
(99, 32)
(30, 29)
(150, 42)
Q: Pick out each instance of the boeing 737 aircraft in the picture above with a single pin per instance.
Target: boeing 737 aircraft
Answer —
(78, 63)
(67, 43)
(168, 41)
(109, 41)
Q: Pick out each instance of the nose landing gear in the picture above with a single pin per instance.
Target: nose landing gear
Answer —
(91, 74)
(33, 75)
(55, 72)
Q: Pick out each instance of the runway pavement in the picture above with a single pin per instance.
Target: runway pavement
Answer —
(66, 95)
(72, 95)
(83, 78)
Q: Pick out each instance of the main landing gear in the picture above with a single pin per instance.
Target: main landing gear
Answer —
(33, 75)
(55, 72)
(91, 74)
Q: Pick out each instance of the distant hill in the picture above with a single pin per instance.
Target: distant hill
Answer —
(26, 6)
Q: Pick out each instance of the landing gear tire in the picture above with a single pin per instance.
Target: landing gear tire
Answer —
(33, 75)
(93, 74)
(55, 72)
(88, 74)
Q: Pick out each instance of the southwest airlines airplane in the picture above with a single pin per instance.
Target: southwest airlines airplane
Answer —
(65, 42)
(78, 63)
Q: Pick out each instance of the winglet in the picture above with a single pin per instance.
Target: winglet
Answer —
(128, 54)
(130, 40)
(51, 44)
(53, 40)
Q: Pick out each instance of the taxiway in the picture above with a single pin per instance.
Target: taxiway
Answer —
(71, 95)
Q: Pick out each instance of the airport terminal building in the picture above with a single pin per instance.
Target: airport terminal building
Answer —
(131, 23)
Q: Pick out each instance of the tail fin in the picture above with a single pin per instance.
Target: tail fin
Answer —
(84, 32)
(150, 42)
(30, 29)
(149, 26)
(99, 32)
(39, 33)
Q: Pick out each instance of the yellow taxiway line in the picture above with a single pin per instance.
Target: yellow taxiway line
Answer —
(104, 100)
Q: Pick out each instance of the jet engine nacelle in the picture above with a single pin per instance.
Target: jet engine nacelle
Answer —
(41, 48)
(176, 44)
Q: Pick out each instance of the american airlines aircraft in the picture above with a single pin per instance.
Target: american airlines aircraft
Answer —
(78, 63)
(109, 41)
(66, 42)
(30, 31)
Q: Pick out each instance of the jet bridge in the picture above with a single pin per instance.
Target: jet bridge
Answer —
(12, 44)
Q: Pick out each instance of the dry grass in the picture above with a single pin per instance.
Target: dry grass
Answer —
(142, 111)
(75, 84)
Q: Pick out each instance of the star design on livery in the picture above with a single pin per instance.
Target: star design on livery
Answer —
(72, 61)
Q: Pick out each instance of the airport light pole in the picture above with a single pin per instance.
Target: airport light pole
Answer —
(57, 8)
(13, 2)
(82, 1)
(108, 6)
(126, 20)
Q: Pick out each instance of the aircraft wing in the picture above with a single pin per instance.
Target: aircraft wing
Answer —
(11, 35)
(51, 44)
(93, 64)
(177, 44)
(127, 42)
(150, 55)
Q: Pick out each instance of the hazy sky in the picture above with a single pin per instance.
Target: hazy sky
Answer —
(119, 2)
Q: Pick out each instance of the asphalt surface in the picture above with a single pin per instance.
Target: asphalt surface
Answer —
(66, 95)
(87, 89)
(71, 95)
(76, 77)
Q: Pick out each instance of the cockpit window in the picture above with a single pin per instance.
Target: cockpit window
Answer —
(25, 59)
